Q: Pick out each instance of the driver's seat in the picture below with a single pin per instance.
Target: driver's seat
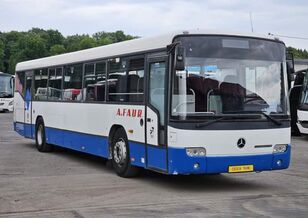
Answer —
(232, 94)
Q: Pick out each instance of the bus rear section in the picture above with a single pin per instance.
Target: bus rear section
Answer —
(6, 92)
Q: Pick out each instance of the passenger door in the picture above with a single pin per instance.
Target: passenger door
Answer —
(28, 105)
(156, 114)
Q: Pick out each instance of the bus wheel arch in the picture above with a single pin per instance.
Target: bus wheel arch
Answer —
(123, 168)
(40, 136)
(111, 134)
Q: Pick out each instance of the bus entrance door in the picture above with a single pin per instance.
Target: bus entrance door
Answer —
(155, 114)
(28, 132)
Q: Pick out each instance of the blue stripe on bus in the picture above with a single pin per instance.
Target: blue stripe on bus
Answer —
(91, 144)
(157, 158)
(137, 154)
(178, 161)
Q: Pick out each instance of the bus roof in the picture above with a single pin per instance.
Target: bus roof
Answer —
(121, 48)
(5, 74)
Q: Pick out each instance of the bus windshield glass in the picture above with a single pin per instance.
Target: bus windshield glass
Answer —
(229, 75)
(6, 86)
(304, 100)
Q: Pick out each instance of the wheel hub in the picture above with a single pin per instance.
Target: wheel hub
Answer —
(119, 152)
(40, 135)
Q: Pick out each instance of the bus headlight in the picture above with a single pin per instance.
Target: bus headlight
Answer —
(195, 152)
(11, 103)
(280, 148)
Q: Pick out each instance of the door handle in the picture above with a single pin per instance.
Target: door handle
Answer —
(149, 120)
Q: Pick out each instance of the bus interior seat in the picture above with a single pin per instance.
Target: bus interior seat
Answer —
(121, 87)
(211, 94)
(133, 87)
(196, 84)
(232, 94)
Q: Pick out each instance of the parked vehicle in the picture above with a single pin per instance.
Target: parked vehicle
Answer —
(194, 102)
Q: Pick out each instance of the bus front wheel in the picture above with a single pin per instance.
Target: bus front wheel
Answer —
(40, 138)
(121, 155)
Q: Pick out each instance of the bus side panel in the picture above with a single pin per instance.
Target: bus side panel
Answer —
(86, 127)
(91, 144)
(19, 115)
(137, 154)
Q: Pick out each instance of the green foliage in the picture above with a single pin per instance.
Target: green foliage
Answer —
(298, 53)
(57, 49)
(37, 43)
(1, 54)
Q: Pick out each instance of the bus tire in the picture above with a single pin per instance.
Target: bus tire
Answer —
(121, 155)
(40, 138)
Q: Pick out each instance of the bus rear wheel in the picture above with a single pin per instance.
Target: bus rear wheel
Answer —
(40, 138)
(121, 155)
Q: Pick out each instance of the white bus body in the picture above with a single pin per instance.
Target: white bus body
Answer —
(128, 103)
(6, 92)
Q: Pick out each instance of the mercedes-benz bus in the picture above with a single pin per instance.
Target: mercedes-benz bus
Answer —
(191, 102)
(6, 92)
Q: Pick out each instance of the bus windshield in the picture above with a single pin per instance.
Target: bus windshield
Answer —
(304, 99)
(229, 75)
(6, 87)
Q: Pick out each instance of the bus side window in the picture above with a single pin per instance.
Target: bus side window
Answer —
(20, 82)
(157, 88)
(89, 82)
(40, 84)
(136, 80)
(72, 83)
(125, 80)
(100, 86)
(55, 84)
(116, 81)
(94, 81)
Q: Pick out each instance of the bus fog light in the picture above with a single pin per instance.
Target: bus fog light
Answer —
(280, 148)
(279, 162)
(196, 166)
(195, 152)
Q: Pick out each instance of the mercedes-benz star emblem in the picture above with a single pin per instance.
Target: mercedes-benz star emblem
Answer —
(241, 143)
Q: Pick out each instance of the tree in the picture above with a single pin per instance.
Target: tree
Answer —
(57, 49)
(1, 55)
(87, 42)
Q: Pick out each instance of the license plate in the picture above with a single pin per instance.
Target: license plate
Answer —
(240, 169)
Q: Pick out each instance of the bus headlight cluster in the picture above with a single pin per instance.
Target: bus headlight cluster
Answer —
(195, 152)
(280, 148)
(11, 103)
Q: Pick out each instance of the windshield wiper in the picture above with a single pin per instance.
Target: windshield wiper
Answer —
(223, 118)
(268, 117)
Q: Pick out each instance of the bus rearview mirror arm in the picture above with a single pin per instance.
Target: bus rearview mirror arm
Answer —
(180, 58)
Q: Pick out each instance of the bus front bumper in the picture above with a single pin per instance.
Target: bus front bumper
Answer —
(6, 107)
(180, 163)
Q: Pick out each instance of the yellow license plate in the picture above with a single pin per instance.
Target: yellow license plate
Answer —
(240, 169)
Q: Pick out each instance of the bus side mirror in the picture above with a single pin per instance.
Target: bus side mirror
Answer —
(180, 58)
(12, 83)
(293, 89)
(290, 60)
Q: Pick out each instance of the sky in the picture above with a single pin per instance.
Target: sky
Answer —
(153, 17)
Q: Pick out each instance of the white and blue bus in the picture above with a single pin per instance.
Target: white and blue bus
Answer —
(192, 102)
(6, 92)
